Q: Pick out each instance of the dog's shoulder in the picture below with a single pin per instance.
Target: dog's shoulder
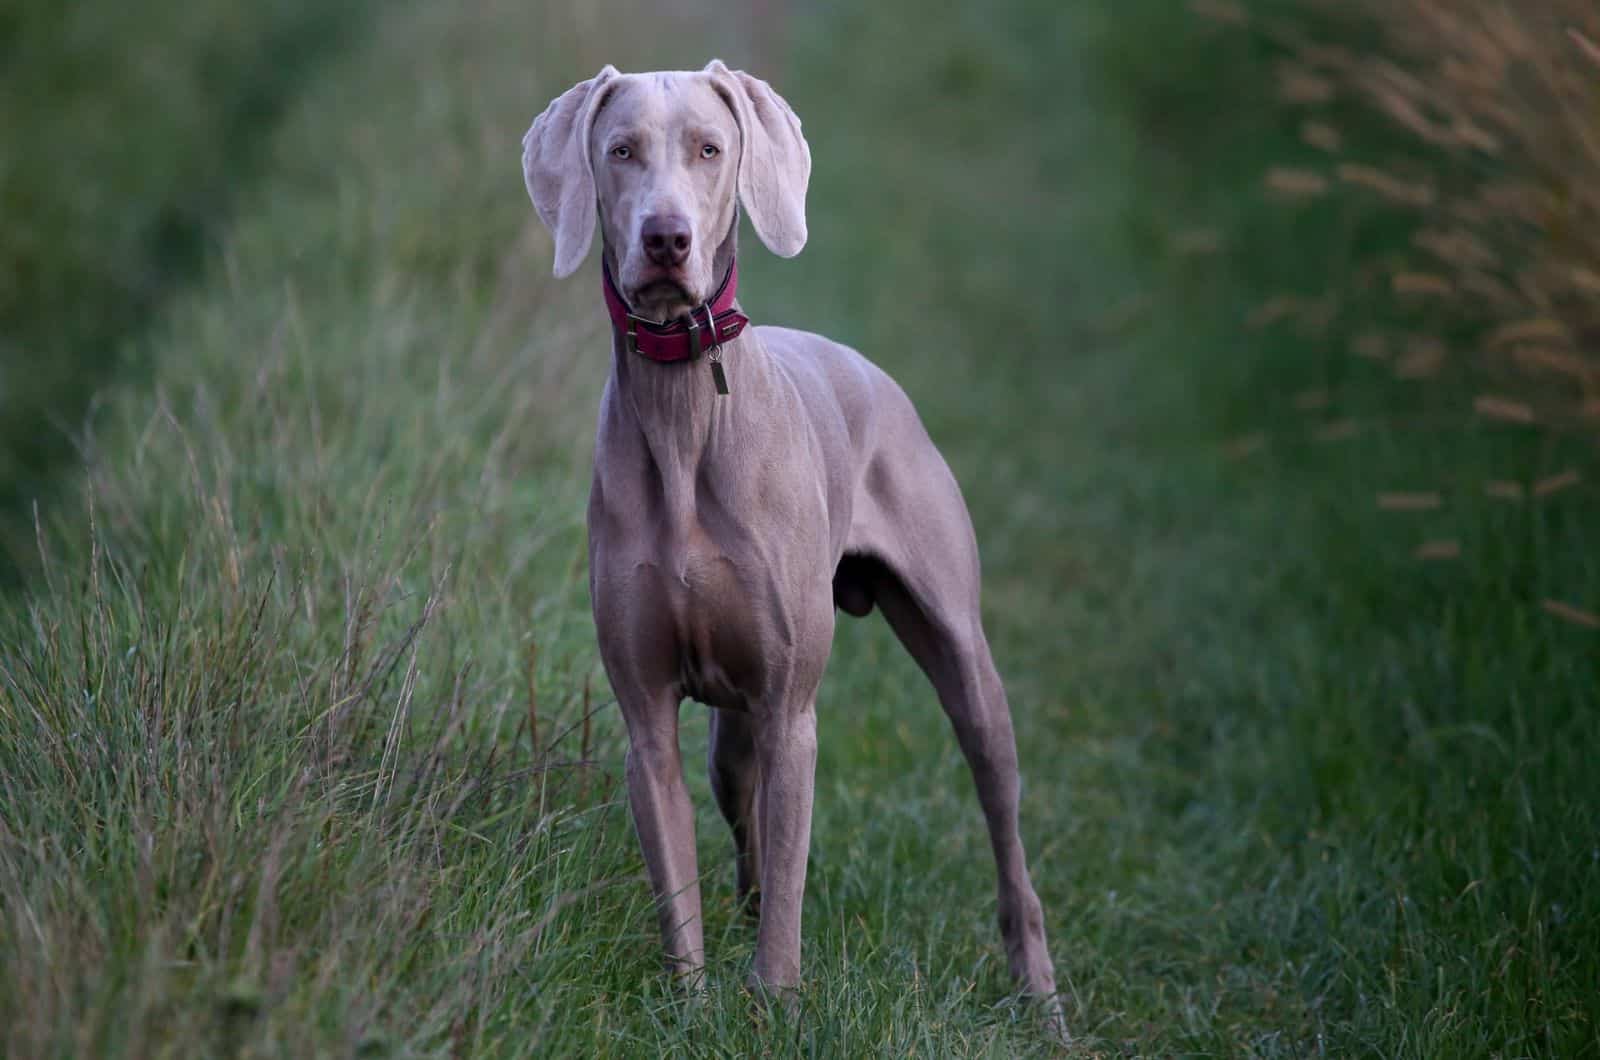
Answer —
(834, 378)
(805, 353)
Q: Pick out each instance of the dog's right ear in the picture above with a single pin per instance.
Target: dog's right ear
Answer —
(559, 172)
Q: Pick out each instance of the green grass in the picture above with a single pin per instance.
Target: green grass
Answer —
(130, 134)
(266, 778)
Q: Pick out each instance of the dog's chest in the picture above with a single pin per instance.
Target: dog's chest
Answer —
(715, 616)
(711, 574)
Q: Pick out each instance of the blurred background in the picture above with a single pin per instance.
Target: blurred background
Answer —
(1263, 335)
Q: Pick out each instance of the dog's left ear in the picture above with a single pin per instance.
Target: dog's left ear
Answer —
(774, 163)
(559, 172)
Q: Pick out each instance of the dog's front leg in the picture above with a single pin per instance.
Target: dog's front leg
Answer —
(664, 819)
(786, 741)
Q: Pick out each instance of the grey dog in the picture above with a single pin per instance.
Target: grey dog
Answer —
(735, 507)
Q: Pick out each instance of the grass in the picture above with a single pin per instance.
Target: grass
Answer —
(293, 750)
(131, 134)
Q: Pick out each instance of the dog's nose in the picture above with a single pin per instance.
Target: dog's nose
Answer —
(666, 238)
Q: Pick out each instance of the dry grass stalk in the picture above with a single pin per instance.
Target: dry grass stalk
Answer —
(1436, 550)
(1504, 409)
(1220, 11)
(1534, 329)
(1502, 490)
(1584, 281)
(1423, 358)
(585, 743)
(533, 699)
(1409, 502)
(1300, 85)
(1422, 284)
(1475, 137)
(1588, 47)
(1556, 483)
(1404, 193)
(1519, 201)
(1489, 291)
(1556, 362)
(1455, 247)
(1322, 136)
(1575, 615)
(1295, 183)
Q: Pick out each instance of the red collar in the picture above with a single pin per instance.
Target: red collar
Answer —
(704, 328)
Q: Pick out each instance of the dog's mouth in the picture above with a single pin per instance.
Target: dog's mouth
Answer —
(662, 300)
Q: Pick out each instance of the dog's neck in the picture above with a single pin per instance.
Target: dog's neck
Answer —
(675, 406)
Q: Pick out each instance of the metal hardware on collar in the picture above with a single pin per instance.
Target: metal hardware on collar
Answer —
(719, 378)
(711, 323)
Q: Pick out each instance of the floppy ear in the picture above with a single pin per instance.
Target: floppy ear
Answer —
(559, 172)
(774, 164)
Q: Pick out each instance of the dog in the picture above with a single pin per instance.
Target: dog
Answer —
(749, 482)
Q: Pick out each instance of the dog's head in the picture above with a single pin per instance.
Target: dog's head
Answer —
(665, 156)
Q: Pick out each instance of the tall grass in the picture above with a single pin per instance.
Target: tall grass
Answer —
(130, 135)
(267, 781)
(1468, 137)
(1504, 104)
(1444, 701)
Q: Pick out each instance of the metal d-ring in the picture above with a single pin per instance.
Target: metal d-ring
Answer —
(711, 324)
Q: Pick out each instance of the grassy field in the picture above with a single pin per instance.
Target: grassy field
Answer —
(132, 133)
(304, 749)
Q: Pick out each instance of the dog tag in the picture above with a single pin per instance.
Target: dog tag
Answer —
(718, 376)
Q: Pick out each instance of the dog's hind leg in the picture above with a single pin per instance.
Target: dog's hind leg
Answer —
(735, 778)
(947, 641)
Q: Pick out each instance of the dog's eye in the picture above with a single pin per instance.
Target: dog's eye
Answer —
(622, 152)
(710, 151)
